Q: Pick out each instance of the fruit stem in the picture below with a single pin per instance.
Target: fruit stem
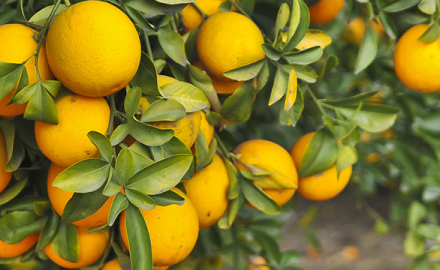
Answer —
(174, 25)
(112, 114)
(67, 2)
(222, 149)
(204, 16)
(147, 44)
(318, 104)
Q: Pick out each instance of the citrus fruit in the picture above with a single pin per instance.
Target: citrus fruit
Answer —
(18, 44)
(5, 177)
(258, 263)
(416, 62)
(67, 142)
(357, 28)
(281, 184)
(173, 231)
(321, 186)
(325, 10)
(59, 198)
(112, 265)
(228, 40)
(206, 128)
(93, 48)
(14, 250)
(208, 191)
(91, 247)
(192, 18)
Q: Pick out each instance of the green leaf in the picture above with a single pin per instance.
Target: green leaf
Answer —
(41, 107)
(192, 98)
(84, 176)
(83, 205)
(160, 65)
(112, 187)
(149, 135)
(234, 188)
(164, 110)
(320, 154)
(23, 96)
(152, 8)
(168, 198)
(367, 51)
(356, 99)
(381, 227)
(271, 52)
(124, 166)
(103, 144)
(201, 80)
(139, 19)
(146, 76)
(65, 243)
(141, 156)
(303, 26)
(49, 231)
(416, 213)
(9, 75)
(140, 200)
(238, 106)
(245, 73)
(347, 156)
(132, 101)
(175, 2)
(304, 73)
(190, 39)
(120, 203)
(430, 231)
(7, 15)
(371, 117)
(119, 134)
(330, 63)
(173, 45)
(400, 5)
(282, 17)
(431, 34)
(258, 198)
(12, 191)
(295, 19)
(388, 24)
(16, 226)
(269, 245)
(139, 239)
(428, 6)
(248, 6)
(304, 57)
(14, 148)
(52, 87)
(161, 176)
(263, 76)
(279, 87)
(413, 245)
(40, 18)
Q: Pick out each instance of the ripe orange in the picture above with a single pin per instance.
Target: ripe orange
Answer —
(258, 263)
(228, 40)
(325, 10)
(17, 45)
(97, 57)
(59, 198)
(14, 250)
(173, 231)
(192, 18)
(357, 28)
(91, 248)
(321, 186)
(5, 177)
(112, 265)
(208, 191)
(417, 63)
(67, 142)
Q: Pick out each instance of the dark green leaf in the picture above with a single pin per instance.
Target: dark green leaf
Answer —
(7, 16)
(124, 166)
(12, 191)
(17, 225)
(65, 243)
(245, 73)
(149, 135)
(258, 198)
(305, 57)
(83, 205)
(119, 204)
(140, 200)
(9, 75)
(330, 63)
(282, 17)
(49, 231)
(431, 34)
(238, 107)
(103, 144)
(271, 52)
(269, 245)
(164, 110)
(263, 76)
(301, 31)
(173, 44)
(119, 134)
(152, 8)
(168, 198)
(138, 18)
(41, 107)
(132, 101)
(388, 24)
(142, 156)
(367, 51)
(400, 5)
(146, 76)
(351, 100)
(112, 187)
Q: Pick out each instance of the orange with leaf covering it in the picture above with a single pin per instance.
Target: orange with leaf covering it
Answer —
(14, 250)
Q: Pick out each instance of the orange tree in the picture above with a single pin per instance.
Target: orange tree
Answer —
(121, 123)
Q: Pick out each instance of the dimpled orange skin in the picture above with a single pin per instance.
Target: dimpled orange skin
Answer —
(192, 18)
(321, 186)
(325, 10)
(17, 45)
(208, 191)
(14, 250)
(59, 198)
(67, 142)
(228, 40)
(417, 63)
(93, 48)
(112, 265)
(5, 177)
(173, 231)
(91, 248)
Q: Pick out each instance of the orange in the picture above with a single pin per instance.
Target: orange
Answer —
(192, 18)
(325, 10)
(321, 186)
(112, 265)
(417, 63)
(99, 55)
(258, 263)
(220, 86)
(17, 45)
(59, 198)
(91, 248)
(13, 250)
(357, 28)
(67, 142)
(208, 191)
(5, 177)
(173, 231)
(228, 40)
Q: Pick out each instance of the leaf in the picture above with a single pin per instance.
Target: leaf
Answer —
(9, 75)
(245, 73)
(413, 245)
(416, 213)
(292, 89)
(149, 135)
(139, 19)
(164, 110)
(83, 205)
(347, 156)
(103, 144)
(282, 17)
(367, 51)
(234, 188)
(84, 176)
(303, 26)
(192, 98)
(124, 166)
(269, 245)
(146, 76)
(17, 225)
(201, 151)
(175, 2)
(6, 16)
(400, 5)
(40, 18)
(430, 231)
(65, 242)
(51, 86)
(201, 80)
(304, 73)
(152, 8)
(139, 239)
(259, 199)
(279, 87)
(173, 45)
(161, 176)
(120, 203)
(331, 62)
(381, 227)
(428, 6)
(119, 134)
(263, 76)
(292, 116)
(41, 107)
(132, 101)
(314, 38)
(304, 57)
(12, 191)
(388, 24)
(431, 34)
(320, 154)
(23, 96)
(295, 19)
(168, 198)
(356, 99)
(237, 107)
(141, 156)
(271, 52)
(140, 200)
(49, 231)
